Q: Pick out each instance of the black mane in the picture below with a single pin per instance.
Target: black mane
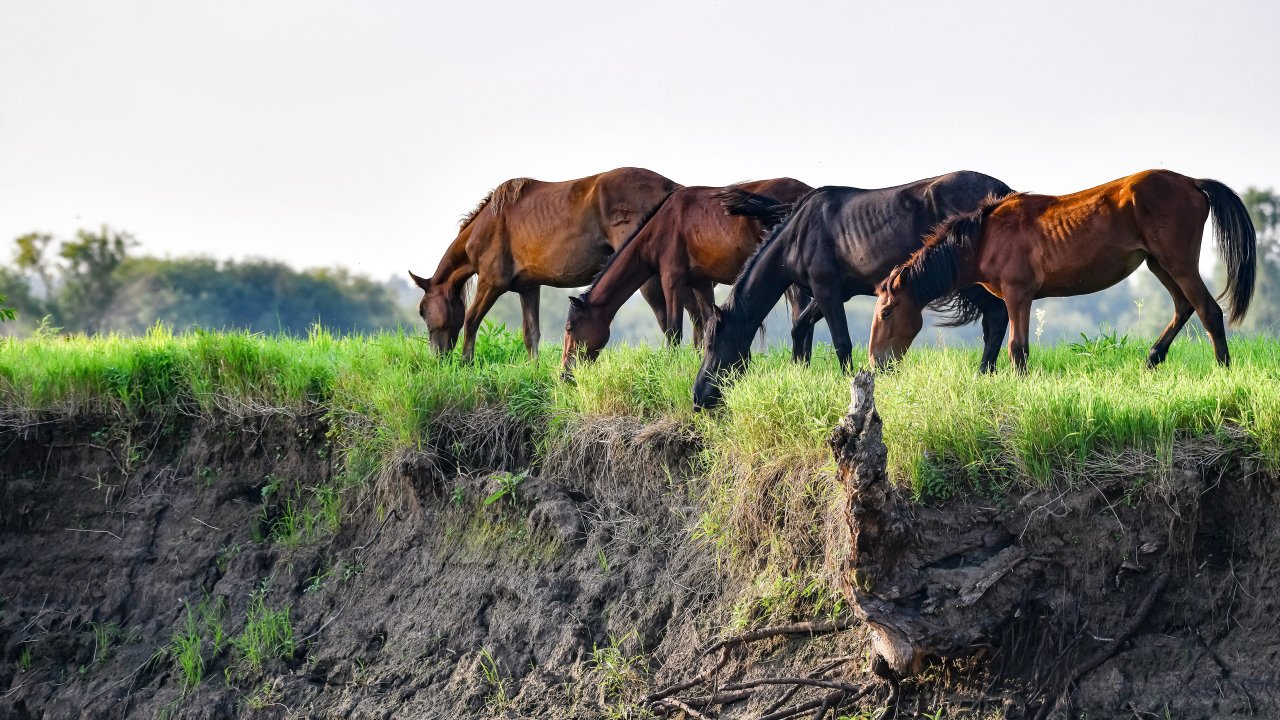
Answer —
(930, 273)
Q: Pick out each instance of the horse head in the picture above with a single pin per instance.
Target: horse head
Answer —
(443, 312)
(585, 334)
(728, 349)
(895, 323)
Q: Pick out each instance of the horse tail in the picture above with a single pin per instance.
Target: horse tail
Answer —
(768, 211)
(1237, 243)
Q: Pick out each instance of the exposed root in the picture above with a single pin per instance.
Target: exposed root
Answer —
(812, 627)
(665, 701)
(1139, 616)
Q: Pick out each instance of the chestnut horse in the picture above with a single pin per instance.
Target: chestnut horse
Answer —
(690, 242)
(529, 233)
(839, 242)
(1025, 246)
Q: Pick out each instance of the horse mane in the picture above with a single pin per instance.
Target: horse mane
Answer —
(644, 220)
(769, 239)
(930, 273)
(506, 192)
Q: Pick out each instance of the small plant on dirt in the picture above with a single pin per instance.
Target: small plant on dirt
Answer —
(507, 484)
(267, 634)
(618, 670)
(267, 694)
(225, 554)
(23, 663)
(499, 698)
(201, 627)
(459, 495)
(106, 636)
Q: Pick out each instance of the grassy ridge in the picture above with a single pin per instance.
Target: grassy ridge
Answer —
(944, 423)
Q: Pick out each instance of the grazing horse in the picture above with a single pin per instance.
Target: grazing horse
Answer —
(1026, 246)
(690, 242)
(529, 233)
(839, 242)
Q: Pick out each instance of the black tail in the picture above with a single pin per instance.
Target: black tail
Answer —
(1236, 244)
(767, 210)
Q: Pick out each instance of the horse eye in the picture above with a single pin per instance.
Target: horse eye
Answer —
(886, 312)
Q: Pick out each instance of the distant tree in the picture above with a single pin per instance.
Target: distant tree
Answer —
(257, 295)
(89, 281)
(17, 296)
(29, 256)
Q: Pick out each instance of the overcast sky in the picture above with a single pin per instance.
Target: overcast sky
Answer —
(357, 133)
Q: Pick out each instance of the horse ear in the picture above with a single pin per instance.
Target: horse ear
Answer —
(423, 283)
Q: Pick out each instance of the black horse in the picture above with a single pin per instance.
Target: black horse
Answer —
(839, 242)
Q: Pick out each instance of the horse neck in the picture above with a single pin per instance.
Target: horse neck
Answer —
(756, 293)
(626, 273)
(455, 267)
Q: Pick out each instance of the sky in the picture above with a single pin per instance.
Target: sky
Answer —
(358, 133)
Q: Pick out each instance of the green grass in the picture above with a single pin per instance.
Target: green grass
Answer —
(939, 414)
(197, 640)
(1085, 408)
(267, 635)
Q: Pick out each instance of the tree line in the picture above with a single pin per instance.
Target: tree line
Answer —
(95, 283)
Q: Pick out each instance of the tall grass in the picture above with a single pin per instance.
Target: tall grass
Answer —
(945, 425)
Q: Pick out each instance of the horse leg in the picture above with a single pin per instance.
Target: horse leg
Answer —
(995, 321)
(804, 315)
(828, 302)
(486, 295)
(674, 288)
(701, 300)
(1181, 313)
(1019, 308)
(651, 291)
(1207, 309)
(529, 314)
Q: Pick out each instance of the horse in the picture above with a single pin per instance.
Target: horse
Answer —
(836, 243)
(691, 241)
(1025, 246)
(528, 233)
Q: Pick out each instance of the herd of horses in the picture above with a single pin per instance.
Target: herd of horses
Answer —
(964, 244)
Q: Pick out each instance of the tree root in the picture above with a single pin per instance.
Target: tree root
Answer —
(1110, 649)
(666, 700)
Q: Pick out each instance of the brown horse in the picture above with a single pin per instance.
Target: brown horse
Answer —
(1025, 246)
(529, 233)
(690, 242)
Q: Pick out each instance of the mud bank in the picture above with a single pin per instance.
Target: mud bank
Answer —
(469, 579)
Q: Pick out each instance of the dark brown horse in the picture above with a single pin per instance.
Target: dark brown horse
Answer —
(838, 242)
(690, 242)
(529, 233)
(1025, 246)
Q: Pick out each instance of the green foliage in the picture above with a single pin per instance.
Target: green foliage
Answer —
(267, 634)
(199, 639)
(507, 484)
(617, 668)
(498, 699)
(93, 283)
(25, 658)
